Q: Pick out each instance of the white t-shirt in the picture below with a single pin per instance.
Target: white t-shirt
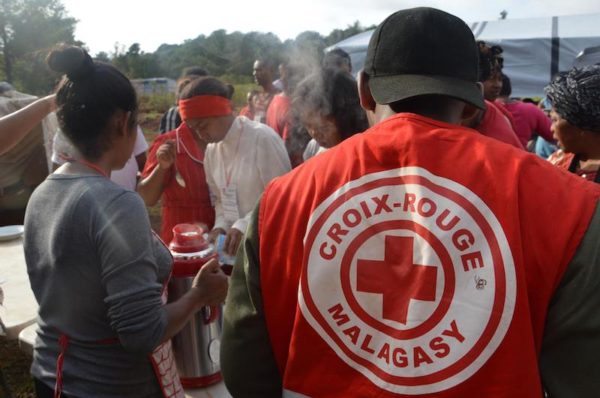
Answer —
(126, 177)
(239, 168)
(312, 149)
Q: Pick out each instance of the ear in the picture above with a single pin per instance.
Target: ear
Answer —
(469, 111)
(471, 115)
(122, 122)
(364, 92)
(480, 85)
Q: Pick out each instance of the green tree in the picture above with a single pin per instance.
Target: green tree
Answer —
(338, 35)
(137, 64)
(308, 48)
(102, 56)
(230, 55)
(220, 53)
(28, 29)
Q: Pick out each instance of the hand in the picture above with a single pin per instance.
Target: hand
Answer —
(232, 241)
(212, 235)
(166, 154)
(210, 284)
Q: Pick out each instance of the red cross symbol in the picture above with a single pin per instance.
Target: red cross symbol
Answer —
(397, 278)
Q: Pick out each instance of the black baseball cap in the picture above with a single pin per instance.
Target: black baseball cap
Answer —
(422, 51)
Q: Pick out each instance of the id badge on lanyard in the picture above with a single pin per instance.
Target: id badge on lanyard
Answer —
(229, 191)
(229, 203)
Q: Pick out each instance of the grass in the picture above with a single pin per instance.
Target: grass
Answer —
(155, 105)
(15, 367)
(240, 93)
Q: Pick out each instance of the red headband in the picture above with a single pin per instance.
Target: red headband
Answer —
(204, 106)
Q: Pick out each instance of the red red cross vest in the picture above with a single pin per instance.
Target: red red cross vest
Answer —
(416, 259)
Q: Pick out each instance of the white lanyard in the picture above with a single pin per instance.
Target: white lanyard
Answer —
(180, 142)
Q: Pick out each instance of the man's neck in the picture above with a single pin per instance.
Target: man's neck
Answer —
(269, 88)
(383, 112)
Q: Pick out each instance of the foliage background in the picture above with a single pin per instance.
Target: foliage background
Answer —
(30, 28)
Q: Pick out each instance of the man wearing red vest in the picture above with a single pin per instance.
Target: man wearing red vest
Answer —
(406, 262)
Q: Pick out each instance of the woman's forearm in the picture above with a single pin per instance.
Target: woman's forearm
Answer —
(151, 187)
(15, 126)
(179, 313)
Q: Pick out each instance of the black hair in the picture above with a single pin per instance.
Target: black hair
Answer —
(230, 90)
(575, 96)
(506, 90)
(207, 85)
(193, 71)
(182, 82)
(87, 97)
(332, 93)
(337, 58)
(490, 60)
(267, 63)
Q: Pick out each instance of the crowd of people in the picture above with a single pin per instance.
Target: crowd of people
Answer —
(394, 236)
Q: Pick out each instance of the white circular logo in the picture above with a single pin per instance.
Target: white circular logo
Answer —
(409, 279)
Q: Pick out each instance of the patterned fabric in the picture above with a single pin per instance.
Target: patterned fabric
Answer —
(575, 95)
(165, 367)
(565, 161)
(170, 120)
(163, 362)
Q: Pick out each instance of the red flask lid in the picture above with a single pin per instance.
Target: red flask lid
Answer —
(187, 238)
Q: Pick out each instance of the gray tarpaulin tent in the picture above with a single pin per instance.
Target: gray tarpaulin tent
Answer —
(534, 48)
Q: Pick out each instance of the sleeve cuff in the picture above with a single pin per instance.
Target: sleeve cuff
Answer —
(241, 225)
(221, 224)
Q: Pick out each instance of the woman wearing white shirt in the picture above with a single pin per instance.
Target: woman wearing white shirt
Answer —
(242, 157)
(62, 150)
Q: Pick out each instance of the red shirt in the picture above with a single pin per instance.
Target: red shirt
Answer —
(399, 276)
(496, 125)
(529, 119)
(506, 113)
(278, 115)
(182, 205)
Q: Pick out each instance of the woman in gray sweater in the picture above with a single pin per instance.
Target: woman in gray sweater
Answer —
(95, 267)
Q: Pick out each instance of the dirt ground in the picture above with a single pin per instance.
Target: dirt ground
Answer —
(15, 368)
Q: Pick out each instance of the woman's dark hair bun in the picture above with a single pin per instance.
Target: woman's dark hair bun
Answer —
(73, 61)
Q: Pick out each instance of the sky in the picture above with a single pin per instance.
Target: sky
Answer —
(106, 24)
